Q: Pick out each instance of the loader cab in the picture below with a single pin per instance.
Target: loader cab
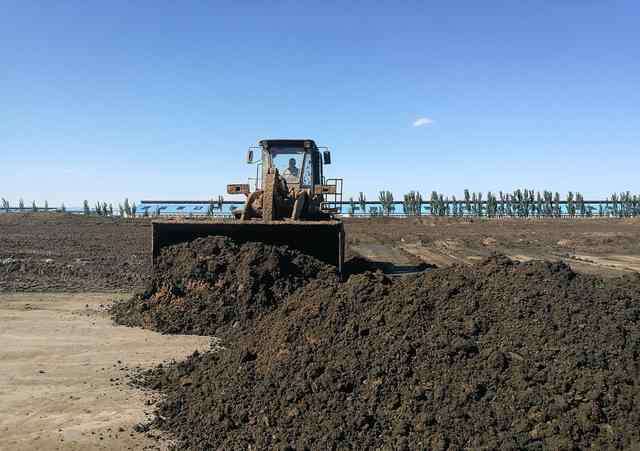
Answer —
(299, 162)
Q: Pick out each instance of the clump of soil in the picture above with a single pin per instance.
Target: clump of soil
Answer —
(502, 355)
(211, 283)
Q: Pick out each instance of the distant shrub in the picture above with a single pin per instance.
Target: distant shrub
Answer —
(386, 200)
(362, 201)
(412, 203)
(352, 206)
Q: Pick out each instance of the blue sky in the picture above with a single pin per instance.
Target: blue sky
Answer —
(154, 99)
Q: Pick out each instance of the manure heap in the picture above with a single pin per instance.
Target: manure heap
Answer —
(497, 355)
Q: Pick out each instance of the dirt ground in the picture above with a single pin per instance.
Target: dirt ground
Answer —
(64, 368)
(607, 247)
(63, 365)
(72, 253)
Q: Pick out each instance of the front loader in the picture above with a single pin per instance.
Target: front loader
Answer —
(290, 202)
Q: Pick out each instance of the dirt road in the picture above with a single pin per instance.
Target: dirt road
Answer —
(63, 373)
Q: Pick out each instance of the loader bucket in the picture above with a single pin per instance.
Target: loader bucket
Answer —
(323, 240)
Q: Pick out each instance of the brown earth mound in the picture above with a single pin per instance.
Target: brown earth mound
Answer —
(502, 355)
(212, 282)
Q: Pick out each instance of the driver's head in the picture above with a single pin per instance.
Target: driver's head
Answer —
(292, 162)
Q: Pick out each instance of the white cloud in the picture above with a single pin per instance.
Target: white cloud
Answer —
(422, 121)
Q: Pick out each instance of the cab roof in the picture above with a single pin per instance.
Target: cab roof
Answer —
(305, 143)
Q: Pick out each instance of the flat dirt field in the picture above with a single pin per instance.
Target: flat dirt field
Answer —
(64, 364)
(606, 247)
(64, 369)
(70, 253)
(49, 252)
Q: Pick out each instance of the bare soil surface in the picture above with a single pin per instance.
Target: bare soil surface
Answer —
(73, 253)
(64, 369)
(608, 247)
(483, 352)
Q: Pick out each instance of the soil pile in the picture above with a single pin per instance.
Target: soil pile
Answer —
(203, 286)
(502, 355)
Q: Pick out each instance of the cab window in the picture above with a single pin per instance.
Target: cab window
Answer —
(289, 162)
(307, 170)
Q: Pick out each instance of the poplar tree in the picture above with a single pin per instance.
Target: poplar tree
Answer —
(467, 201)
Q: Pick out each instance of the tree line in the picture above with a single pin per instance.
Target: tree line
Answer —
(519, 203)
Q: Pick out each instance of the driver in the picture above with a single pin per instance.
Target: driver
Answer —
(292, 170)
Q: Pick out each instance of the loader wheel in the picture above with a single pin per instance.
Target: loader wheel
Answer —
(249, 211)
